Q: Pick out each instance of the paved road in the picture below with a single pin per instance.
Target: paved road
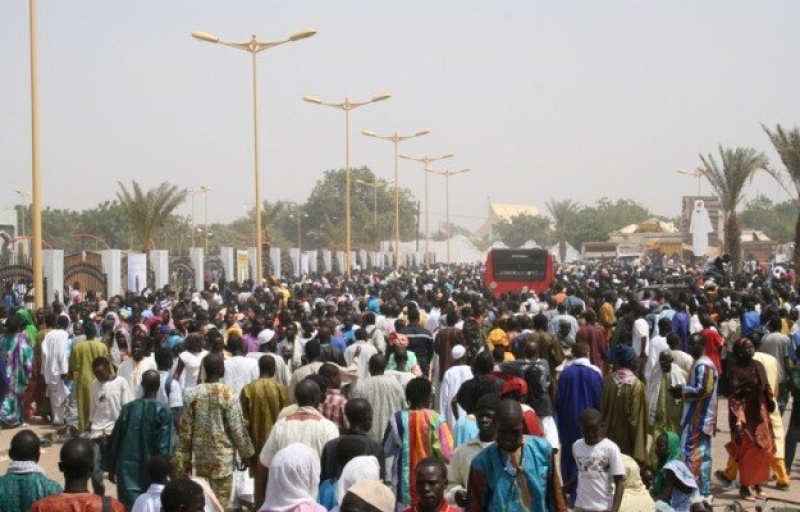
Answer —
(49, 460)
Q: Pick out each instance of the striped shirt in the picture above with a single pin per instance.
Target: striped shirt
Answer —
(700, 397)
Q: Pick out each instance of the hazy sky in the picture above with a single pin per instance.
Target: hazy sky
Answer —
(541, 99)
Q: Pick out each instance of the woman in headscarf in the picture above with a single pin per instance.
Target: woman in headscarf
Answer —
(34, 401)
(674, 484)
(365, 467)
(749, 405)
(667, 447)
(636, 497)
(18, 358)
(293, 481)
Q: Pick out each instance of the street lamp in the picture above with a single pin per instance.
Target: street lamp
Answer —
(24, 195)
(396, 139)
(347, 106)
(374, 185)
(299, 215)
(447, 174)
(204, 190)
(254, 47)
(697, 173)
(426, 161)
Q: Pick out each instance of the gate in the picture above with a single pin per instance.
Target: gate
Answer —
(85, 269)
(181, 272)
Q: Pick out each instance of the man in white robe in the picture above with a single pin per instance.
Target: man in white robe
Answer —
(55, 367)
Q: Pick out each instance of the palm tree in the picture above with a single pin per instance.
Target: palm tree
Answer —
(332, 233)
(728, 178)
(787, 144)
(564, 212)
(148, 211)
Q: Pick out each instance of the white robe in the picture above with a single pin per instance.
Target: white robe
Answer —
(699, 227)
(451, 383)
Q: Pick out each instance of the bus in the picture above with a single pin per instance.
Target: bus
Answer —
(511, 270)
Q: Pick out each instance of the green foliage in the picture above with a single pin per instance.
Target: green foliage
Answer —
(441, 233)
(728, 177)
(776, 220)
(787, 144)
(524, 227)
(325, 208)
(594, 223)
(148, 211)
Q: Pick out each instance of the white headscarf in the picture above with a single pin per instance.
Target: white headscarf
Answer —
(365, 467)
(293, 479)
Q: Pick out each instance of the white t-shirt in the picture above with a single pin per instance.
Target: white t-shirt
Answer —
(641, 329)
(597, 466)
(107, 401)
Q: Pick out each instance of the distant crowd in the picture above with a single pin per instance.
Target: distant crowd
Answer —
(411, 390)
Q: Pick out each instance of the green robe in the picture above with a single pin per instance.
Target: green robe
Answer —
(18, 491)
(624, 408)
(80, 369)
(144, 429)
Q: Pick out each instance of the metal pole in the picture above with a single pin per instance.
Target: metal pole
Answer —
(447, 215)
(347, 185)
(22, 228)
(427, 220)
(191, 190)
(375, 219)
(38, 270)
(205, 197)
(299, 241)
(396, 209)
(257, 180)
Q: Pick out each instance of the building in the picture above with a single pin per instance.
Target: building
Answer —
(652, 236)
(500, 212)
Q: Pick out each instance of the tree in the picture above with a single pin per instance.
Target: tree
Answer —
(564, 213)
(595, 223)
(148, 211)
(441, 233)
(787, 144)
(776, 220)
(523, 228)
(328, 200)
(728, 178)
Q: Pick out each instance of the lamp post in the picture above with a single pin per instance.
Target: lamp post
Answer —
(396, 139)
(447, 174)
(36, 177)
(24, 195)
(374, 185)
(347, 106)
(697, 173)
(254, 47)
(426, 161)
(299, 215)
(204, 190)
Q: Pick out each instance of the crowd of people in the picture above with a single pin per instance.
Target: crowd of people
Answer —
(407, 391)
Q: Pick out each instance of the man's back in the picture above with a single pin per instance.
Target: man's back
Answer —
(19, 490)
(386, 396)
(76, 502)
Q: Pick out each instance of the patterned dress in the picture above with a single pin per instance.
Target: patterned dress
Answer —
(18, 362)
(415, 435)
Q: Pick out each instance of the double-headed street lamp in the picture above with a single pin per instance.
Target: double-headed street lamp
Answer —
(426, 161)
(374, 185)
(254, 47)
(697, 173)
(396, 139)
(347, 106)
(447, 174)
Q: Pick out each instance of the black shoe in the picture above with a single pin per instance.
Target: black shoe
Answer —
(782, 486)
(722, 478)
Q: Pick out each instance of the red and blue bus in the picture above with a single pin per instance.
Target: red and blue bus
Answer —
(511, 270)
